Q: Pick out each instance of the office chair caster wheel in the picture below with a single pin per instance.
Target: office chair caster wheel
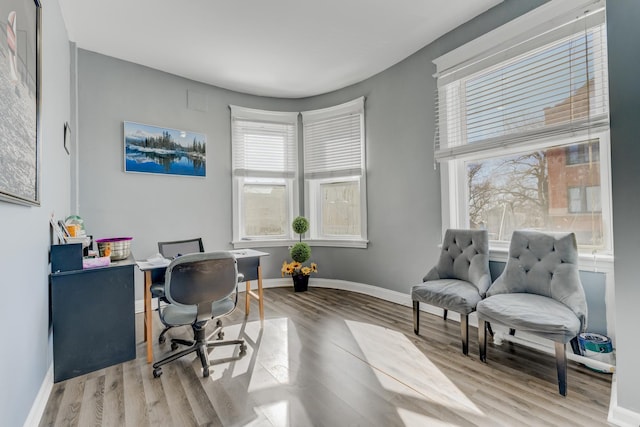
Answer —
(243, 349)
(174, 346)
(220, 335)
(162, 339)
(157, 372)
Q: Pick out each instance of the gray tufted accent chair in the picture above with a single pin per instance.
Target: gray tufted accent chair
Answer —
(459, 280)
(538, 292)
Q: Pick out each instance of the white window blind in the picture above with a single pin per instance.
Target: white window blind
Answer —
(264, 143)
(334, 141)
(558, 86)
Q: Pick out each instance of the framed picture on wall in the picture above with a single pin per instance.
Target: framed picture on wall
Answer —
(161, 150)
(20, 101)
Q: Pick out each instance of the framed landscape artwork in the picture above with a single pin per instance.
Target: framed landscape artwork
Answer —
(20, 101)
(153, 149)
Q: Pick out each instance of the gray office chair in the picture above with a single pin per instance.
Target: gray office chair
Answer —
(538, 292)
(170, 250)
(199, 288)
(459, 280)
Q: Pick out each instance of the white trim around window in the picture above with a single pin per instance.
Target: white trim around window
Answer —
(264, 176)
(578, 117)
(335, 175)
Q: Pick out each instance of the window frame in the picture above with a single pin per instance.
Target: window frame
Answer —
(313, 205)
(582, 157)
(583, 193)
(240, 239)
(454, 186)
(312, 185)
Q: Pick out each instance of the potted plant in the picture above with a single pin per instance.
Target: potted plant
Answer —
(300, 252)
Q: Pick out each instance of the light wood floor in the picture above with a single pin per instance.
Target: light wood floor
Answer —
(335, 358)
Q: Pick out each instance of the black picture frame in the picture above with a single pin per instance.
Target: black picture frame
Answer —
(20, 77)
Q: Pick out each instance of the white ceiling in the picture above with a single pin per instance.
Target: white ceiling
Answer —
(280, 48)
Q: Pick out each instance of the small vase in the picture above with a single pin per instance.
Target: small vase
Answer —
(300, 282)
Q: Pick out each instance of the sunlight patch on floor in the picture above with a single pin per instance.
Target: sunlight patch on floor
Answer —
(411, 372)
(410, 418)
(268, 353)
(277, 413)
(271, 345)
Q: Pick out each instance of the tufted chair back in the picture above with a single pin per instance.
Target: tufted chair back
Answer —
(544, 264)
(464, 256)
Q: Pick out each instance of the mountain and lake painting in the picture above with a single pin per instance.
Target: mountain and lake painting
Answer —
(152, 149)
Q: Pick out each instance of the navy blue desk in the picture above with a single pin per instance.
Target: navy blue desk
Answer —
(92, 315)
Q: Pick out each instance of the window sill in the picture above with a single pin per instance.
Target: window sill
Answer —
(337, 243)
(586, 261)
(249, 244)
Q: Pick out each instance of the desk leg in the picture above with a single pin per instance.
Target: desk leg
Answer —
(147, 315)
(247, 298)
(260, 296)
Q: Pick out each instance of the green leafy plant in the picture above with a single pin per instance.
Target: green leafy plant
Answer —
(300, 226)
(300, 252)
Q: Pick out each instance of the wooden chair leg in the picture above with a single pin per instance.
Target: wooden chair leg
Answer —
(561, 364)
(482, 340)
(464, 330)
(416, 317)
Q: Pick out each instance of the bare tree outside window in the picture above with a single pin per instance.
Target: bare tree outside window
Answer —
(537, 191)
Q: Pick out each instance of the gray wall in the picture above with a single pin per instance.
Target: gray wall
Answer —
(149, 207)
(623, 32)
(402, 183)
(403, 189)
(24, 245)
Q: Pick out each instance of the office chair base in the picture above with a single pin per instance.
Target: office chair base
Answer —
(200, 346)
(162, 338)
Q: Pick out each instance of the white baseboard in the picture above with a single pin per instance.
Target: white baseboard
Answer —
(40, 403)
(374, 291)
(620, 416)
